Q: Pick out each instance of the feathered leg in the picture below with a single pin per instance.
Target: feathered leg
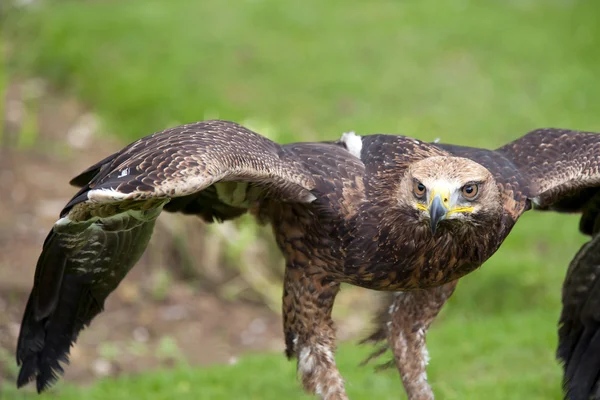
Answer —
(310, 333)
(408, 318)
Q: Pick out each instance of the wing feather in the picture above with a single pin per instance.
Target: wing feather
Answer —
(106, 227)
(562, 170)
(563, 166)
(579, 325)
(84, 177)
(80, 265)
(185, 160)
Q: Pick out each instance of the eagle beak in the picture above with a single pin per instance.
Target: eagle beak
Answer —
(437, 211)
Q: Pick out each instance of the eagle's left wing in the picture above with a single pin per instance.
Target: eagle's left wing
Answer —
(563, 170)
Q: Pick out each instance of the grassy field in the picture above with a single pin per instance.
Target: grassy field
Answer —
(469, 360)
(473, 73)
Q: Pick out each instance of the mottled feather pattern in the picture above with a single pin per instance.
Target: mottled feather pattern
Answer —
(342, 212)
(184, 160)
(558, 162)
(338, 177)
(387, 254)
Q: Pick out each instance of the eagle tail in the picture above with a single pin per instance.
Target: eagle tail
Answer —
(379, 336)
(60, 305)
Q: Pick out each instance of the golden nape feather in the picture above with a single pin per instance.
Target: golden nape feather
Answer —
(384, 212)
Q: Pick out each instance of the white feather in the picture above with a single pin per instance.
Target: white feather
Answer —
(106, 195)
(353, 143)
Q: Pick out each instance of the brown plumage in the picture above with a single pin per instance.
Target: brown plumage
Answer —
(579, 333)
(384, 212)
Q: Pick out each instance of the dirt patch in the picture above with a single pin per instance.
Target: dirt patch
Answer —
(156, 316)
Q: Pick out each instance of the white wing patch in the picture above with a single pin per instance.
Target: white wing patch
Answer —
(123, 173)
(309, 198)
(353, 143)
(106, 195)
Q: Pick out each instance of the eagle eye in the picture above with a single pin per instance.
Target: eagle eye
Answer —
(419, 189)
(470, 191)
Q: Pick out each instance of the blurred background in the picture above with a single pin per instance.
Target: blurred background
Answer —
(198, 318)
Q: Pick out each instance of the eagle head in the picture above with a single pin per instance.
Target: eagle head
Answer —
(446, 191)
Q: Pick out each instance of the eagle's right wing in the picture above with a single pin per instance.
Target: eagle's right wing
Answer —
(215, 169)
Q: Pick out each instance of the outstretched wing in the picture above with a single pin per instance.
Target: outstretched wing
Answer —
(579, 332)
(563, 169)
(215, 169)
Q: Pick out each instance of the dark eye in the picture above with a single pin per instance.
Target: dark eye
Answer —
(419, 189)
(470, 191)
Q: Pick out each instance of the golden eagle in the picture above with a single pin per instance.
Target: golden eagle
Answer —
(384, 212)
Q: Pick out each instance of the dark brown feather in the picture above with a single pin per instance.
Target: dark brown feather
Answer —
(86, 176)
(579, 325)
(95, 244)
(559, 163)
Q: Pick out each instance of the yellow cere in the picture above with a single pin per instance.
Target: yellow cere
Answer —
(444, 194)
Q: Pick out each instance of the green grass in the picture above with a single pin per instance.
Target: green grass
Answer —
(474, 73)
(468, 362)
